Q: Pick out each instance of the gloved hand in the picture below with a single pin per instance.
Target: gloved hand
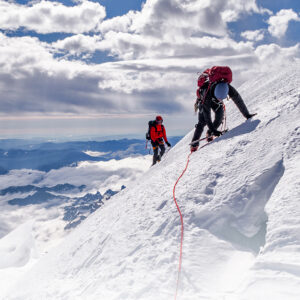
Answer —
(160, 141)
(217, 133)
(169, 145)
(250, 116)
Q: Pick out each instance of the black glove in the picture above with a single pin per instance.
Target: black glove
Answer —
(217, 133)
(169, 145)
(250, 116)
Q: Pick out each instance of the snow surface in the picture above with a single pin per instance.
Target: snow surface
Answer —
(240, 204)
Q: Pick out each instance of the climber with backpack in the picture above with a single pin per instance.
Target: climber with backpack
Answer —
(157, 134)
(213, 87)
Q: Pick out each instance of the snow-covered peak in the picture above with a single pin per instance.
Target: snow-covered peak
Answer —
(240, 203)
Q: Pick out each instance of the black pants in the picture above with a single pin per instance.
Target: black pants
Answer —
(156, 155)
(219, 115)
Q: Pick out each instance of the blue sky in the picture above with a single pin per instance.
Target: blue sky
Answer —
(106, 67)
(255, 21)
(119, 8)
(113, 7)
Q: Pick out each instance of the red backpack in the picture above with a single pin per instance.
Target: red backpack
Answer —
(215, 74)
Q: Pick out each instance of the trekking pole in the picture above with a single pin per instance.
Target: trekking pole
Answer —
(147, 147)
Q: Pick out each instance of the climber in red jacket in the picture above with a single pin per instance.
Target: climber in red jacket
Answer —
(158, 136)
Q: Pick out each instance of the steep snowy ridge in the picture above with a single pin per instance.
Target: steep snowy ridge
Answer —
(240, 204)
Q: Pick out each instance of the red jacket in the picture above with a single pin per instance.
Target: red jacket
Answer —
(158, 132)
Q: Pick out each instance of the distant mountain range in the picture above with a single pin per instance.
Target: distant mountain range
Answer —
(76, 209)
(59, 188)
(45, 156)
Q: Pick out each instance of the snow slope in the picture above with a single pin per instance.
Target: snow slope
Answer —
(240, 203)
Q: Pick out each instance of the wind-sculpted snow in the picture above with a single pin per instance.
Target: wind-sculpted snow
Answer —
(20, 245)
(240, 203)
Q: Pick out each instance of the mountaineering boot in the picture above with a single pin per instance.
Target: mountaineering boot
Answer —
(209, 137)
(194, 148)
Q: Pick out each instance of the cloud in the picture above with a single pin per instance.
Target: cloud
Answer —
(160, 50)
(168, 28)
(20, 177)
(47, 16)
(33, 81)
(104, 175)
(278, 24)
(100, 176)
(23, 54)
(233, 9)
(273, 56)
(126, 46)
(117, 24)
(78, 44)
(253, 35)
(95, 153)
(165, 28)
(175, 19)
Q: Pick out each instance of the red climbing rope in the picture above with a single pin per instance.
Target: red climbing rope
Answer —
(181, 220)
(180, 214)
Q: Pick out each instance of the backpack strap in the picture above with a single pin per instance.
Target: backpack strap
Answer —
(203, 100)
